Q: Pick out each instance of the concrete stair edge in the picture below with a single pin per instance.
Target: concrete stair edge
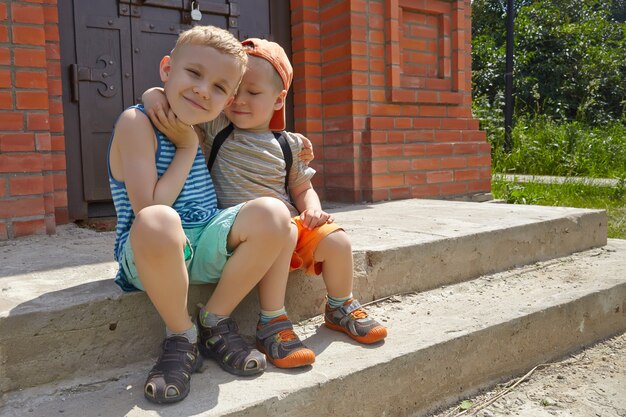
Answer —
(103, 325)
(446, 344)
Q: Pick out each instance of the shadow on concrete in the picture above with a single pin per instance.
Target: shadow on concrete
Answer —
(87, 335)
(70, 247)
(323, 337)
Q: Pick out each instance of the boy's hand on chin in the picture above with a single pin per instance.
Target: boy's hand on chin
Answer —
(180, 134)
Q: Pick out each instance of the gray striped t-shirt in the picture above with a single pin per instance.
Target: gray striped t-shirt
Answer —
(250, 165)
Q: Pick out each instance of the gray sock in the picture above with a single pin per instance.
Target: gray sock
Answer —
(208, 319)
(190, 334)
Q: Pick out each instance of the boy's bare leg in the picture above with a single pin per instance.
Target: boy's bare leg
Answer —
(273, 286)
(158, 240)
(274, 333)
(335, 252)
(259, 235)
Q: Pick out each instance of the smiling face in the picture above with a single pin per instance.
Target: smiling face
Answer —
(259, 95)
(199, 81)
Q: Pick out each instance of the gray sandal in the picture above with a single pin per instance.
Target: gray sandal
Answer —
(169, 380)
(224, 344)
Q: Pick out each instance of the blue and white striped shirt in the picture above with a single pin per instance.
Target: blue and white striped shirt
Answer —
(196, 204)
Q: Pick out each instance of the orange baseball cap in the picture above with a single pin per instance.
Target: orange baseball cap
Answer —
(275, 55)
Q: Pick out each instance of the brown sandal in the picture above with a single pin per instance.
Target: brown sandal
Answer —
(224, 344)
(169, 380)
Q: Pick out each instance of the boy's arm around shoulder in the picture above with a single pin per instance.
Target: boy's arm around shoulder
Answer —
(306, 155)
(300, 187)
(133, 161)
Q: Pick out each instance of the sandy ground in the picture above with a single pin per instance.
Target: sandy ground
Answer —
(590, 383)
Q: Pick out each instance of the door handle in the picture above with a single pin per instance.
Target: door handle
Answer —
(74, 83)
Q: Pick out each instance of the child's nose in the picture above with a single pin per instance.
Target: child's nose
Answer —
(202, 91)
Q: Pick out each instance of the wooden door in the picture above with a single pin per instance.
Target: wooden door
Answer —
(111, 50)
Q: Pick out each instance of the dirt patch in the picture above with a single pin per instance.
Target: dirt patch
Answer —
(99, 224)
(589, 383)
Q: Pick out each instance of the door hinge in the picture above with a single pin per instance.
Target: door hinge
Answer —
(99, 75)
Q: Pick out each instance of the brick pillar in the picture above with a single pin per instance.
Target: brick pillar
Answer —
(28, 92)
(307, 83)
(58, 178)
(383, 89)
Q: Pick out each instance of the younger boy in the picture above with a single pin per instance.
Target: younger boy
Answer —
(250, 163)
(170, 232)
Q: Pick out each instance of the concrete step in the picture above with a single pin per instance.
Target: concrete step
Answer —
(61, 315)
(443, 345)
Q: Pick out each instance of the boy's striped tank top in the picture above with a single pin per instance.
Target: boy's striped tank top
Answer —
(196, 204)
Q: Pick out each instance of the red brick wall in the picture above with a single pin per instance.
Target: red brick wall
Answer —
(383, 89)
(32, 157)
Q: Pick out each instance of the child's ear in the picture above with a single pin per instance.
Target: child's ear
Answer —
(280, 100)
(165, 66)
(230, 101)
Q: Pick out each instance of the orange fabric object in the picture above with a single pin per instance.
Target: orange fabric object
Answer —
(303, 257)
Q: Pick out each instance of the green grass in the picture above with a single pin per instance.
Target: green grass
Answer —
(542, 146)
(545, 147)
(611, 199)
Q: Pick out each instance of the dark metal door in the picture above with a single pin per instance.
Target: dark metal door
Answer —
(101, 84)
(111, 50)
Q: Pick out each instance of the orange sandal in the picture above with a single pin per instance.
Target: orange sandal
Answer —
(353, 320)
(281, 345)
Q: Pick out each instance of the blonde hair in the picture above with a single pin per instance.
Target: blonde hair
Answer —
(220, 39)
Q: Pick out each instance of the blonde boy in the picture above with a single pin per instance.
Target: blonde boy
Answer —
(170, 232)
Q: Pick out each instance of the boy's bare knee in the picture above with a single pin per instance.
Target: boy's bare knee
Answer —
(270, 214)
(265, 219)
(156, 227)
(338, 242)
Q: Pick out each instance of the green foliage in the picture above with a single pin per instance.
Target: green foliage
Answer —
(542, 146)
(618, 10)
(491, 120)
(570, 85)
(619, 191)
(569, 57)
(466, 405)
(514, 193)
(570, 89)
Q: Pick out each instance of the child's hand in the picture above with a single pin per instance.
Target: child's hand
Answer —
(314, 218)
(154, 99)
(306, 155)
(180, 134)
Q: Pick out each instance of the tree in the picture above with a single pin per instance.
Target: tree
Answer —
(569, 57)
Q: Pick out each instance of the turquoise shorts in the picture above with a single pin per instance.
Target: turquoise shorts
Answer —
(205, 253)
